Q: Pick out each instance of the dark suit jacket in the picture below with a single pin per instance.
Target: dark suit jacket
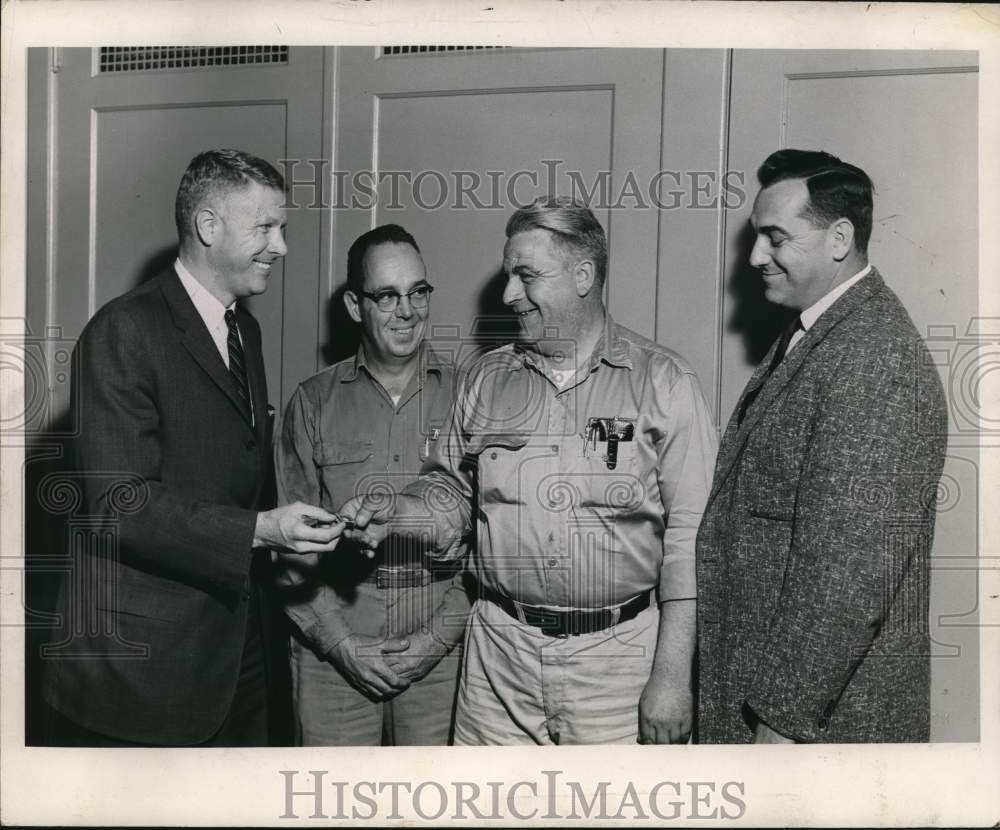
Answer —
(812, 553)
(172, 474)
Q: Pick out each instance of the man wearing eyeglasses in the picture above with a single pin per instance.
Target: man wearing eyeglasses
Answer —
(372, 657)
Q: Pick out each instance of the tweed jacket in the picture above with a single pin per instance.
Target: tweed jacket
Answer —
(812, 556)
(172, 473)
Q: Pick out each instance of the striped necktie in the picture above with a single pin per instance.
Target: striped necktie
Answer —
(237, 361)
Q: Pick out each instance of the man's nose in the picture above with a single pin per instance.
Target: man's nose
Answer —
(514, 289)
(276, 243)
(759, 256)
(404, 306)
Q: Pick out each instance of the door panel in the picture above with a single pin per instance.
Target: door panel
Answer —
(454, 131)
(545, 112)
(134, 218)
(122, 142)
(910, 120)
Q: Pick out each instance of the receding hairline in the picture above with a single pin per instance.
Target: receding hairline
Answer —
(805, 209)
(385, 243)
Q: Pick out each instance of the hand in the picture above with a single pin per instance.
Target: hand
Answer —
(370, 514)
(298, 528)
(359, 660)
(764, 734)
(413, 656)
(665, 712)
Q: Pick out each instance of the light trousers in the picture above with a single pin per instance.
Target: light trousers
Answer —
(520, 686)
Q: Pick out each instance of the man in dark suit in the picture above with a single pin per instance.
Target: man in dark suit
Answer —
(813, 551)
(164, 642)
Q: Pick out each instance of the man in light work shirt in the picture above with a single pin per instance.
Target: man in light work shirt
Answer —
(369, 662)
(583, 455)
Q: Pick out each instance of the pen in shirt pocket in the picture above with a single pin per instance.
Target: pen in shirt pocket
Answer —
(432, 436)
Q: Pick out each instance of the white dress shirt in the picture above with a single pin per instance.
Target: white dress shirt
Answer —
(211, 310)
(808, 318)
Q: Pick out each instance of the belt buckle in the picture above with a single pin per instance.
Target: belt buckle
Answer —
(387, 577)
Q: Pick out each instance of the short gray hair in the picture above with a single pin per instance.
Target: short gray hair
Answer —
(571, 223)
(218, 172)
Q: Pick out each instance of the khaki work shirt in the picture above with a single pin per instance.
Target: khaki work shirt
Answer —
(341, 436)
(556, 524)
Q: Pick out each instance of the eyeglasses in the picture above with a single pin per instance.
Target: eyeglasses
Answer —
(388, 300)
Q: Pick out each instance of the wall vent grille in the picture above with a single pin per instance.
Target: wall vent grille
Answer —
(146, 58)
(388, 51)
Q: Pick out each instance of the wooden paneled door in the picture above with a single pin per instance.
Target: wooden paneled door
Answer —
(457, 139)
(121, 132)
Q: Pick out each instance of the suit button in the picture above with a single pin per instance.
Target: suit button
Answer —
(251, 444)
(246, 593)
(823, 722)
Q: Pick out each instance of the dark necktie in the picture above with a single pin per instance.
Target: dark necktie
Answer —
(779, 354)
(237, 361)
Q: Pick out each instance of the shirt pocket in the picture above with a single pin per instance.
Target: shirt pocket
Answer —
(429, 440)
(600, 487)
(340, 467)
(501, 459)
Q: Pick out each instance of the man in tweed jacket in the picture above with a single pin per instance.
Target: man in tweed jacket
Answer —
(813, 551)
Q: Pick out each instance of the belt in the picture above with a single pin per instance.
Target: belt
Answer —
(571, 622)
(391, 577)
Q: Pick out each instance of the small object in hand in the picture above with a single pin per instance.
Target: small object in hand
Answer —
(348, 523)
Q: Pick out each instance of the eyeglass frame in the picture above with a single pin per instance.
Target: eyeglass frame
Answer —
(375, 296)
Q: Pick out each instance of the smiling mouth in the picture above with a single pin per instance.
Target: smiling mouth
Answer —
(264, 266)
(403, 332)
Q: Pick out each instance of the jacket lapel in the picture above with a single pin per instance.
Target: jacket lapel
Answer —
(197, 340)
(736, 435)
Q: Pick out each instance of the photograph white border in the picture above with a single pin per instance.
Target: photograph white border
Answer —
(873, 785)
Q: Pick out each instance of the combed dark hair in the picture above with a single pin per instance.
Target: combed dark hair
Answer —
(367, 241)
(214, 173)
(837, 190)
(572, 224)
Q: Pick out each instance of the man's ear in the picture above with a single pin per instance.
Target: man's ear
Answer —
(207, 225)
(352, 305)
(585, 276)
(841, 237)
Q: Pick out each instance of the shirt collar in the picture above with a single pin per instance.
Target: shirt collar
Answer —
(611, 348)
(429, 361)
(809, 317)
(212, 311)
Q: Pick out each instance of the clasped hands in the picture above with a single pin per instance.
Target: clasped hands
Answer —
(382, 668)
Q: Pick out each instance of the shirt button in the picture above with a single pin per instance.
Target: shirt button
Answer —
(553, 563)
(493, 456)
(555, 448)
(395, 457)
